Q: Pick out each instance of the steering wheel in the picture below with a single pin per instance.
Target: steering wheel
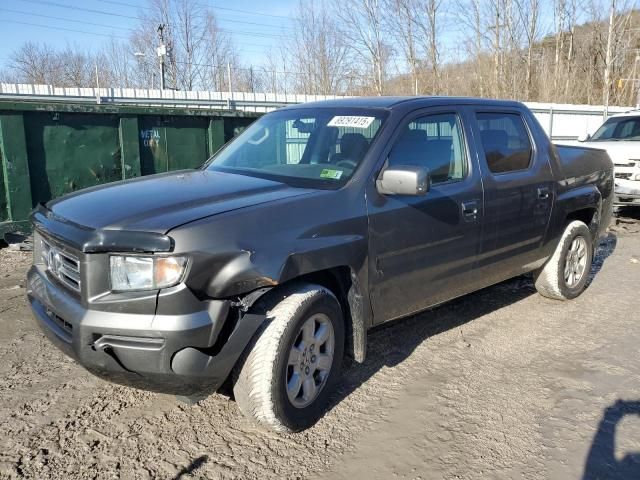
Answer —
(347, 163)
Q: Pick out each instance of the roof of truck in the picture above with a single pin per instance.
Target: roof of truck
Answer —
(390, 102)
(630, 113)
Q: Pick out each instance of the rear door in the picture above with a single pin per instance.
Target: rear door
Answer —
(519, 193)
(422, 249)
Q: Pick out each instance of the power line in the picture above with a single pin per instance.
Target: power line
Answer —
(249, 34)
(65, 19)
(259, 69)
(62, 28)
(241, 45)
(74, 7)
(236, 10)
(224, 19)
(50, 27)
(104, 25)
(250, 13)
(103, 12)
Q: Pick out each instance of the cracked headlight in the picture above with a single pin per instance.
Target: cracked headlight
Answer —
(132, 272)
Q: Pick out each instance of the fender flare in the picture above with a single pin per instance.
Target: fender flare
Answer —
(357, 317)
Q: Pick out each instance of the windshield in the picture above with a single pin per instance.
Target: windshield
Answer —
(615, 129)
(317, 148)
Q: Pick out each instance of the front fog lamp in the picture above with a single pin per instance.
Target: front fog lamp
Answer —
(145, 273)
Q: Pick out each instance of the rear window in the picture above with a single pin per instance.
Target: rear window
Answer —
(505, 140)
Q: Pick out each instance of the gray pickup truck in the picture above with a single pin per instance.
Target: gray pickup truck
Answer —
(262, 269)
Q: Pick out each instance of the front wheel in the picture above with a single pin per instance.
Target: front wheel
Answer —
(565, 274)
(294, 361)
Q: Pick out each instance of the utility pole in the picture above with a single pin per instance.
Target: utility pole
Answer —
(162, 52)
(98, 99)
(608, 59)
(636, 82)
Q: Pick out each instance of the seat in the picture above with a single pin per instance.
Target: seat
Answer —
(353, 146)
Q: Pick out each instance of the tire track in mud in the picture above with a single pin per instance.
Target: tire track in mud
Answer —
(56, 420)
(121, 431)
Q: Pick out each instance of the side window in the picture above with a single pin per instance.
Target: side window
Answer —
(629, 129)
(505, 140)
(435, 142)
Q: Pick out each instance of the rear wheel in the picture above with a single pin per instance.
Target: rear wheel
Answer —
(294, 361)
(565, 274)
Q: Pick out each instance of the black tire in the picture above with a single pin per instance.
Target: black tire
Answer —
(550, 280)
(260, 386)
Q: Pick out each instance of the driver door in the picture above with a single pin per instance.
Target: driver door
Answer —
(423, 249)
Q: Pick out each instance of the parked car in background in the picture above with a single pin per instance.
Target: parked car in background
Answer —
(619, 135)
(263, 268)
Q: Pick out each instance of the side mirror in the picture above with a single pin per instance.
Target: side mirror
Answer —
(584, 137)
(403, 180)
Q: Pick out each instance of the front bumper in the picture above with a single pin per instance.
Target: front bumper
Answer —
(627, 193)
(187, 354)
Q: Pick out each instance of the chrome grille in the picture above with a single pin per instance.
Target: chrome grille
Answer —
(62, 265)
(624, 176)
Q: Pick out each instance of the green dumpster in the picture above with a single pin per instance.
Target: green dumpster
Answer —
(48, 150)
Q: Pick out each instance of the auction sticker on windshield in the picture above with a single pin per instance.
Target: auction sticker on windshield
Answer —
(352, 121)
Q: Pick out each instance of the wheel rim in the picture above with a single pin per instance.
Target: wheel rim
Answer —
(310, 360)
(576, 262)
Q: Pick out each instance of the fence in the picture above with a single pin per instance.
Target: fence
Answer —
(561, 122)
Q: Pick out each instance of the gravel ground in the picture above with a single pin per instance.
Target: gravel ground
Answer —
(499, 384)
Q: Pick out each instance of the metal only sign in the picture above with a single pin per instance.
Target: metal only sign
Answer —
(150, 138)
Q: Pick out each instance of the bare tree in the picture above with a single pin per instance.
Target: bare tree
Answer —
(362, 25)
(198, 52)
(319, 51)
(586, 54)
(36, 63)
(117, 65)
(77, 68)
(470, 15)
(529, 11)
(427, 19)
(401, 24)
(275, 76)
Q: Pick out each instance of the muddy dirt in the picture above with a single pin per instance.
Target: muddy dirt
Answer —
(499, 384)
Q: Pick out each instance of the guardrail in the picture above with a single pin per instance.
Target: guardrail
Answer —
(246, 101)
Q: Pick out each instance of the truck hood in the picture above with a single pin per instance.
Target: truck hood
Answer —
(159, 203)
(621, 152)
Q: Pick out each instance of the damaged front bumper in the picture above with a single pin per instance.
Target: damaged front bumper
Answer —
(627, 193)
(182, 354)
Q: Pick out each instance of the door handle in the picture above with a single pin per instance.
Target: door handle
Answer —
(470, 209)
(543, 193)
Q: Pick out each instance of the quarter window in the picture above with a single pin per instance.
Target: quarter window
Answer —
(505, 140)
(435, 142)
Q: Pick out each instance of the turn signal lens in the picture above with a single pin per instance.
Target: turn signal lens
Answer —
(168, 271)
